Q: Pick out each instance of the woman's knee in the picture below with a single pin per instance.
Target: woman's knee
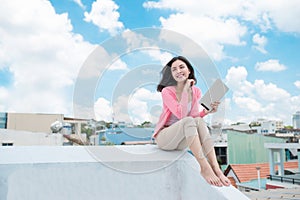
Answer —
(188, 120)
(199, 120)
(189, 126)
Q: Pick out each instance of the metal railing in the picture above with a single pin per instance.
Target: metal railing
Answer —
(284, 179)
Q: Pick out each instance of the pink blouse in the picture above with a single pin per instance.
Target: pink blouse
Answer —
(179, 109)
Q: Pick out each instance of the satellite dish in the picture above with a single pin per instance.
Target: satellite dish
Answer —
(56, 127)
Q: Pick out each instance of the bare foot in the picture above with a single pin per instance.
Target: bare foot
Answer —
(211, 177)
(224, 180)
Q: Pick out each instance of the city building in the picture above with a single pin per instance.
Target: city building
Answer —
(296, 120)
(252, 165)
(220, 144)
(263, 126)
(124, 135)
(37, 128)
(244, 148)
(34, 122)
(268, 127)
(27, 138)
(39, 122)
(3, 120)
(256, 176)
(279, 125)
(279, 177)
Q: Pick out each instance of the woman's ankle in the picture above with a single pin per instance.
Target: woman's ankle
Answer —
(204, 165)
(216, 169)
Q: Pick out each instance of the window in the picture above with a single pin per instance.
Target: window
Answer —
(7, 143)
(221, 153)
(289, 155)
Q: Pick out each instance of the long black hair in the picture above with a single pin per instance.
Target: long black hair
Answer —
(167, 78)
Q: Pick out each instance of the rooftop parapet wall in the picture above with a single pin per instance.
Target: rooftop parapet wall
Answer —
(104, 172)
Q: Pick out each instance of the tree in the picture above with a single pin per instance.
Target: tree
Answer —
(146, 124)
(87, 129)
(289, 127)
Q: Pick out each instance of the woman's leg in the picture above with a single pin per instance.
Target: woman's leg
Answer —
(173, 137)
(186, 129)
(209, 151)
(206, 169)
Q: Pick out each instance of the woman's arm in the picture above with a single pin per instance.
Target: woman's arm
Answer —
(204, 112)
(195, 108)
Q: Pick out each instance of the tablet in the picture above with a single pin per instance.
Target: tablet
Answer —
(215, 93)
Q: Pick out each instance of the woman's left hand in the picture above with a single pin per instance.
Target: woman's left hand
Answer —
(214, 107)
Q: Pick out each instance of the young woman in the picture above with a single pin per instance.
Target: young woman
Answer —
(181, 124)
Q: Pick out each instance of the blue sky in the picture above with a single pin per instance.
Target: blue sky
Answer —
(44, 45)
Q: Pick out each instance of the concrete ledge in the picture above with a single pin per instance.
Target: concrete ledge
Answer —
(282, 145)
(104, 172)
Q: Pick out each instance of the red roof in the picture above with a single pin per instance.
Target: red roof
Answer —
(248, 172)
(232, 181)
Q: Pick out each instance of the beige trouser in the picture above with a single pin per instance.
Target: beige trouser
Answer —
(179, 135)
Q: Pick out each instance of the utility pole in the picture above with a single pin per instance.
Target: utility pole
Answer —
(258, 177)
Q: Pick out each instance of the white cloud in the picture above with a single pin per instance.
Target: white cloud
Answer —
(295, 103)
(134, 40)
(284, 14)
(270, 65)
(104, 14)
(197, 7)
(206, 20)
(250, 104)
(260, 42)
(213, 25)
(118, 65)
(138, 111)
(144, 94)
(253, 100)
(120, 109)
(206, 31)
(257, 13)
(135, 108)
(270, 92)
(163, 57)
(297, 84)
(138, 41)
(4, 94)
(277, 14)
(79, 2)
(42, 54)
(236, 74)
(103, 110)
(139, 105)
(236, 79)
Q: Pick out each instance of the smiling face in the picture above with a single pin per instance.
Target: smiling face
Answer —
(180, 71)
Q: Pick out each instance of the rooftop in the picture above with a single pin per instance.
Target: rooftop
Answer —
(278, 194)
(248, 172)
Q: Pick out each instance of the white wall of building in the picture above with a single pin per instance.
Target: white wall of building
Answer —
(296, 120)
(33, 122)
(268, 127)
(34, 173)
(26, 138)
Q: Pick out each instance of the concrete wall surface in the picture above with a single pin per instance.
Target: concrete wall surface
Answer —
(104, 172)
(27, 138)
(35, 122)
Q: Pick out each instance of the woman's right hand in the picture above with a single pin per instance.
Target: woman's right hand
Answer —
(188, 84)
